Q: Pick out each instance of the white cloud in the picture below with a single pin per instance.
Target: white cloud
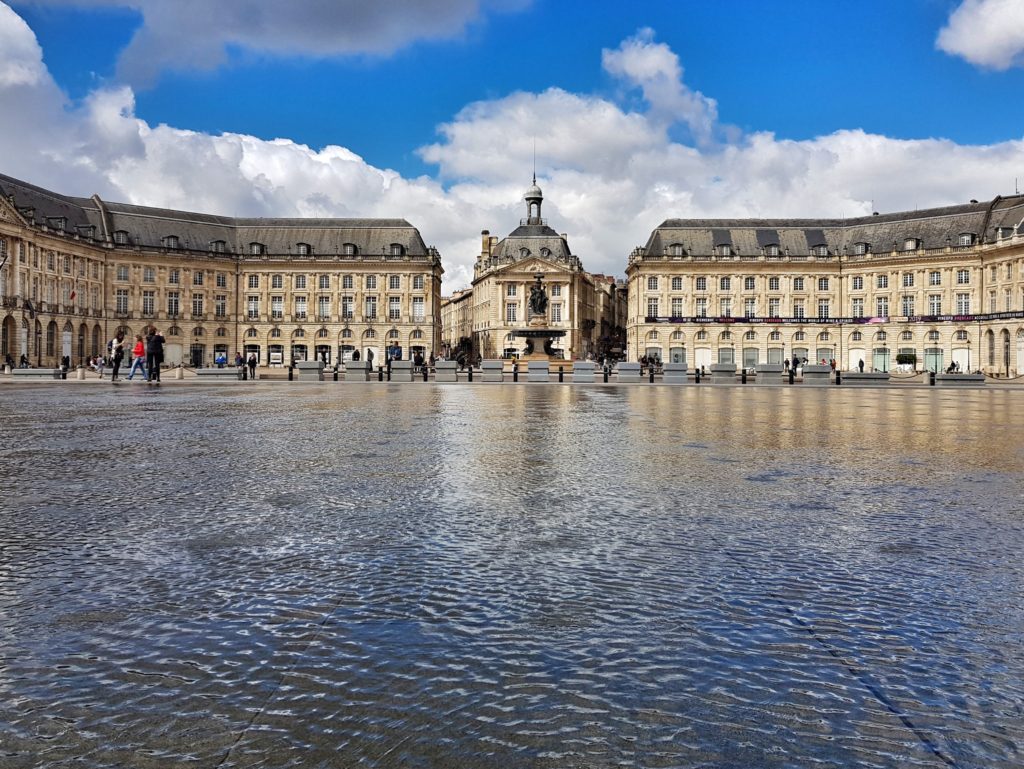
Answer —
(988, 33)
(196, 34)
(609, 175)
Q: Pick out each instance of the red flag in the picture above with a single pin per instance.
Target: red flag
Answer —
(72, 295)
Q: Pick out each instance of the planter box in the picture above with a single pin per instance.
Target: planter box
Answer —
(627, 373)
(674, 373)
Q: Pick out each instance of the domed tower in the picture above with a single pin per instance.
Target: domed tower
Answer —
(533, 197)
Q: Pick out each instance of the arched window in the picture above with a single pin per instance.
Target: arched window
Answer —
(251, 333)
(299, 333)
(961, 335)
(303, 249)
(370, 334)
(275, 333)
(775, 336)
(397, 249)
(417, 334)
(907, 336)
(198, 332)
(346, 333)
(881, 336)
(823, 336)
(349, 249)
(174, 331)
(393, 334)
(257, 249)
(856, 336)
(121, 237)
(750, 336)
(799, 336)
(322, 333)
(702, 335)
(933, 336)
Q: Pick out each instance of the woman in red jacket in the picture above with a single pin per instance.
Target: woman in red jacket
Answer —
(138, 358)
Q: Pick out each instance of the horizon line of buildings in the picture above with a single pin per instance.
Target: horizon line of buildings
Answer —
(925, 286)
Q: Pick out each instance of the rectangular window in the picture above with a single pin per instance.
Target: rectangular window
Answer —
(371, 282)
(394, 308)
(371, 307)
(346, 282)
(197, 278)
(51, 266)
(702, 284)
(556, 312)
(254, 281)
(858, 283)
(325, 283)
(992, 306)
(963, 277)
(908, 280)
(749, 308)
(823, 307)
(122, 272)
(798, 308)
(300, 307)
(907, 305)
(417, 282)
(252, 307)
(652, 307)
(773, 308)
(197, 304)
(702, 307)
(174, 276)
(556, 290)
(725, 307)
(222, 280)
(882, 307)
(121, 300)
(748, 284)
(935, 304)
(173, 303)
(798, 284)
(347, 304)
(677, 284)
(883, 281)
(276, 307)
(773, 284)
(677, 307)
(394, 282)
(857, 310)
(724, 284)
(510, 289)
(300, 282)
(220, 305)
(963, 304)
(323, 308)
(148, 303)
(418, 314)
(148, 275)
(652, 284)
(823, 284)
(277, 281)
(510, 313)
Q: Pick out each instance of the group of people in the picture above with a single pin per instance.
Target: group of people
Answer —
(242, 365)
(147, 356)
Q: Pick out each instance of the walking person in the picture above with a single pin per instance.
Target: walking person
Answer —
(252, 366)
(138, 359)
(154, 354)
(101, 363)
(117, 348)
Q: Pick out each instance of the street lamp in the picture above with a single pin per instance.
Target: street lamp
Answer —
(885, 357)
(968, 356)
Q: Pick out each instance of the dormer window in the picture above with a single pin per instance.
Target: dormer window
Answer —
(217, 246)
(523, 253)
(819, 251)
(349, 249)
(57, 222)
(676, 249)
(257, 249)
(910, 244)
(723, 250)
(121, 237)
(545, 252)
(304, 249)
(171, 242)
(860, 248)
(397, 249)
(771, 250)
(966, 239)
(87, 230)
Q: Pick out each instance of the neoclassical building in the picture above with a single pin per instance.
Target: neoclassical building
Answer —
(938, 286)
(77, 270)
(481, 320)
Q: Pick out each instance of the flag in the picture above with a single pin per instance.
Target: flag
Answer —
(31, 309)
(72, 297)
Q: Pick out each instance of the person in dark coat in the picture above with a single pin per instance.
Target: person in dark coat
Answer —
(154, 354)
(252, 366)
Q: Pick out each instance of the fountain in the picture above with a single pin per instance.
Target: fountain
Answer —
(538, 330)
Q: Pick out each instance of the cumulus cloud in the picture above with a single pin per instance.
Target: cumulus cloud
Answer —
(988, 33)
(609, 174)
(197, 34)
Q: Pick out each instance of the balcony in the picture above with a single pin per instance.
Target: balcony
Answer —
(125, 315)
(199, 316)
(323, 318)
(299, 316)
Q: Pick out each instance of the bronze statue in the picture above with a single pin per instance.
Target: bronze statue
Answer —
(538, 299)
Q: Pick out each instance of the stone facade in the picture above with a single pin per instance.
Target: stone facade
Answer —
(79, 269)
(942, 285)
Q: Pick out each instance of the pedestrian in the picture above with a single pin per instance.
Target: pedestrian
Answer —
(117, 346)
(138, 359)
(154, 354)
(101, 363)
(24, 361)
(369, 359)
(252, 366)
(860, 365)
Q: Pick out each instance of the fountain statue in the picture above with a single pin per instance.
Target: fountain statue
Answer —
(538, 324)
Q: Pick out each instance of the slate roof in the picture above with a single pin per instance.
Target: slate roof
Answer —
(147, 227)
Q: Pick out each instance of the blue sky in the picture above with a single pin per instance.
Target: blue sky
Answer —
(427, 109)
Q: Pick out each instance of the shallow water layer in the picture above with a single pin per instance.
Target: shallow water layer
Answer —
(499, 576)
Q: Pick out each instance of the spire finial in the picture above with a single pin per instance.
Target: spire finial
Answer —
(534, 159)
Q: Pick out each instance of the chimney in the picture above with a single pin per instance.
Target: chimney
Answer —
(485, 244)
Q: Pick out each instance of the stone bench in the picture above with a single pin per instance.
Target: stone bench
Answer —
(493, 370)
(959, 380)
(864, 378)
(36, 373)
(446, 371)
(219, 374)
(402, 371)
(537, 371)
(723, 373)
(627, 373)
(674, 373)
(357, 371)
(817, 375)
(770, 374)
(582, 372)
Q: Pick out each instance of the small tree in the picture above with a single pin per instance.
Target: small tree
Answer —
(907, 357)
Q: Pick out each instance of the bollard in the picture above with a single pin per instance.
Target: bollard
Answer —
(469, 370)
(335, 373)
(606, 371)
(291, 373)
(839, 377)
(650, 375)
(389, 373)
(380, 373)
(515, 372)
(792, 375)
(696, 376)
(743, 376)
(560, 376)
(426, 372)
(931, 379)
(63, 373)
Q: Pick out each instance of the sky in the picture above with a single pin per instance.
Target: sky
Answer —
(436, 111)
